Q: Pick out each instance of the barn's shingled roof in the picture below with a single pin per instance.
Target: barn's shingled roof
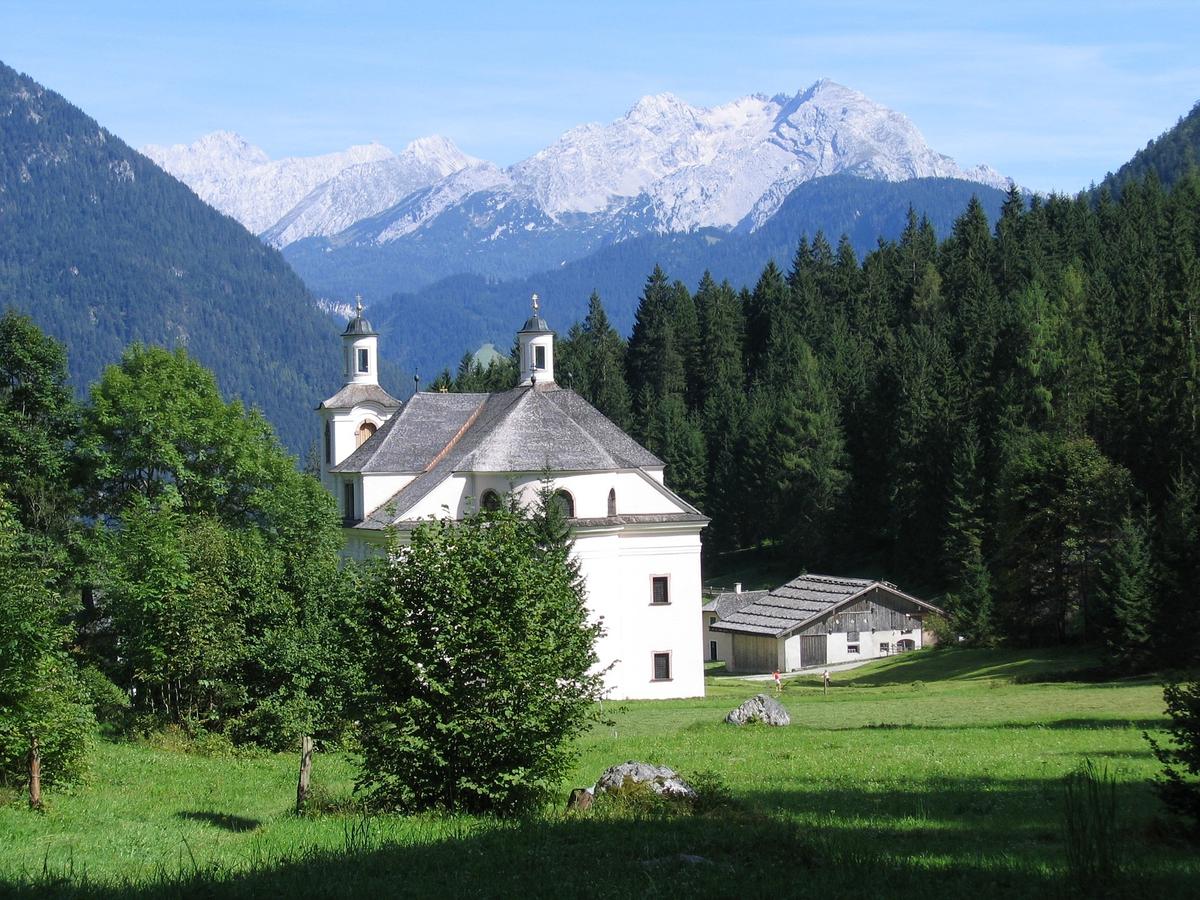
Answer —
(802, 599)
(729, 602)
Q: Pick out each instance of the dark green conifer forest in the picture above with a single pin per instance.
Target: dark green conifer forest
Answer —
(1008, 420)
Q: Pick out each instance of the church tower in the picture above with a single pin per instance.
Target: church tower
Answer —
(536, 342)
(360, 349)
(353, 414)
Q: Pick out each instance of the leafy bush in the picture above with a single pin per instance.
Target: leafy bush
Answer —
(1179, 784)
(109, 702)
(42, 703)
(479, 665)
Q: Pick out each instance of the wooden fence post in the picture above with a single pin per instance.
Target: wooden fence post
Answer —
(306, 753)
(35, 774)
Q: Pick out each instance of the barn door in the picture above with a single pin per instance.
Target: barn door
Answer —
(812, 650)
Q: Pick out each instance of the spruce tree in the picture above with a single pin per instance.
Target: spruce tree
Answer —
(1179, 566)
(969, 602)
(1127, 593)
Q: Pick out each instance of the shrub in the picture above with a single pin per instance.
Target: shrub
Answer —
(42, 704)
(478, 663)
(1179, 783)
(109, 702)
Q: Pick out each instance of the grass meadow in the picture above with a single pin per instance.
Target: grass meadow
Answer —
(939, 773)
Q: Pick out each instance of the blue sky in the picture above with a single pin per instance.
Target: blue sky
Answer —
(1053, 94)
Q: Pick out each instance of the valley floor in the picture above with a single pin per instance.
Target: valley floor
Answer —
(937, 773)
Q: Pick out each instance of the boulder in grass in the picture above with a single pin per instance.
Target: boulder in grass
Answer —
(760, 708)
(663, 780)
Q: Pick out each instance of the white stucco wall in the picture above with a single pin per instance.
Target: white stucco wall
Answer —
(378, 489)
(724, 645)
(868, 644)
(618, 565)
(344, 425)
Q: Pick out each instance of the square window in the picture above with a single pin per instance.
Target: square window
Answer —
(539, 357)
(662, 666)
(660, 595)
(852, 648)
(364, 357)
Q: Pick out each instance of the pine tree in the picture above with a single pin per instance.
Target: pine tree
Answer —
(600, 368)
(805, 459)
(1179, 566)
(1127, 595)
(969, 602)
(770, 301)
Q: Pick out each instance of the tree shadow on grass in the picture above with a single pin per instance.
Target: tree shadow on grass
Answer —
(980, 838)
(1078, 724)
(236, 824)
(973, 665)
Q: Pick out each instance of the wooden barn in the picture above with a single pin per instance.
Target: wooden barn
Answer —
(813, 620)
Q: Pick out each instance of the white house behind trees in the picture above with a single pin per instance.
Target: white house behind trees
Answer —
(813, 620)
(393, 464)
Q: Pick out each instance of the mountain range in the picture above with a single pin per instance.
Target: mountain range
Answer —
(102, 248)
(376, 222)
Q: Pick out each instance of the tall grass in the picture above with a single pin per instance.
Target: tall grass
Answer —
(1091, 829)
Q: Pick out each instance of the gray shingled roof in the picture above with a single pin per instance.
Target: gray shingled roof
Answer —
(801, 599)
(640, 519)
(354, 394)
(409, 440)
(526, 429)
(726, 604)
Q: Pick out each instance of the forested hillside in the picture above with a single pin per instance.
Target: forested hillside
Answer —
(1168, 157)
(102, 248)
(429, 329)
(1009, 419)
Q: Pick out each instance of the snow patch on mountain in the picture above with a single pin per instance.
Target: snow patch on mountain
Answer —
(240, 180)
(361, 191)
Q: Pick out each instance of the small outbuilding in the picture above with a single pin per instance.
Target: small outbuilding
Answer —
(813, 620)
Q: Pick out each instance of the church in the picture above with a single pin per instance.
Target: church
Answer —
(394, 464)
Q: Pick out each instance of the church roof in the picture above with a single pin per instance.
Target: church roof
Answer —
(354, 394)
(526, 429)
(359, 325)
(790, 606)
(535, 324)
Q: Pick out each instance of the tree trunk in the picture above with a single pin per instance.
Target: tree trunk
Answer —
(306, 754)
(35, 774)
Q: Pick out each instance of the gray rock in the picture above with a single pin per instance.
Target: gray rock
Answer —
(661, 779)
(760, 708)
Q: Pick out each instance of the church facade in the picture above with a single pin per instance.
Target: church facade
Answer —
(393, 464)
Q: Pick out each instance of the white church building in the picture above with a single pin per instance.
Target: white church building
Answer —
(393, 464)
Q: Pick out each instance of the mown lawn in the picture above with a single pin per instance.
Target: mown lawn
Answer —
(937, 773)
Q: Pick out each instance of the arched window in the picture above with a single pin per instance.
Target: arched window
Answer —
(612, 501)
(489, 501)
(565, 502)
(365, 430)
(328, 443)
